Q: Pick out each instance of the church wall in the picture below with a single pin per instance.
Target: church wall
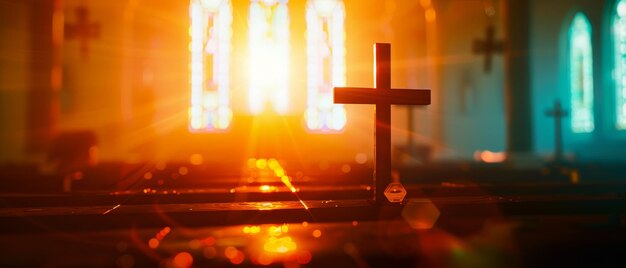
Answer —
(14, 68)
(92, 72)
(549, 62)
(472, 99)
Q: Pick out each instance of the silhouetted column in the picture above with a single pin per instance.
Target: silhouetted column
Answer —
(45, 73)
(517, 82)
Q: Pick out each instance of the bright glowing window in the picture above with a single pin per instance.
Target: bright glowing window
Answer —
(581, 75)
(326, 64)
(619, 35)
(269, 55)
(210, 49)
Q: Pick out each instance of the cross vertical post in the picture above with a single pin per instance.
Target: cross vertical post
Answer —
(382, 143)
(558, 113)
(383, 96)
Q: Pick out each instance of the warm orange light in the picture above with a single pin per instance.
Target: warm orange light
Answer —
(210, 45)
(273, 164)
(261, 163)
(265, 259)
(304, 257)
(196, 159)
(269, 55)
(360, 158)
(251, 229)
(183, 171)
(490, 157)
(280, 245)
(345, 168)
(267, 188)
(430, 15)
(317, 233)
(326, 66)
(230, 252)
(183, 260)
(153, 243)
(287, 181)
(275, 231)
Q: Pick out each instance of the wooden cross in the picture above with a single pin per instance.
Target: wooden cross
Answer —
(558, 113)
(489, 46)
(83, 30)
(383, 96)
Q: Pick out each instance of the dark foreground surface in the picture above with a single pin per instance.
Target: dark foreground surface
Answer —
(471, 230)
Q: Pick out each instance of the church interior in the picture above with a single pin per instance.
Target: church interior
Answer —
(289, 133)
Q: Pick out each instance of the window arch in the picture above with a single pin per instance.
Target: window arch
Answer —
(619, 49)
(581, 74)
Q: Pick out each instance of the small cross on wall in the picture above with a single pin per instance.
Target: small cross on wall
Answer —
(558, 113)
(489, 46)
(83, 29)
(383, 96)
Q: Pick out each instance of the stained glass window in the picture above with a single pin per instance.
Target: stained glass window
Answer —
(619, 35)
(269, 55)
(326, 67)
(581, 75)
(210, 49)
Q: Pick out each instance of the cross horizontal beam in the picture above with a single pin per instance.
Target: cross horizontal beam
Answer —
(355, 95)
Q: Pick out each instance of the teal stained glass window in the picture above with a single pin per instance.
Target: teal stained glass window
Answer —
(619, 35)
(581, 74)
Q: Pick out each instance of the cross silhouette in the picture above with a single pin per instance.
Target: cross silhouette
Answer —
(558, 113)
(489, 46)
(83, 30)
(383, 96)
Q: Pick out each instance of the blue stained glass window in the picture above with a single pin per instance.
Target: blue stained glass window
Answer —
(581, 75)
(619, 36)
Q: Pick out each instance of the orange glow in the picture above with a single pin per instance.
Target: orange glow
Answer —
(317, 233)
(490, 157)
(234, 255)
(278, 230)
(251, 162)
(287, 181)
(267, 188)
(196, 159)
(265, 259)
(209, 252)
(345, 168)
(421, 214)
(304, 257)
(230, 252)
(430, 15)
(238, 259)
(326, 54)
(279, 245)
(210, 45)
(360, 158)
(251, 229)
(273, 164)
(153, 243)
(269, 56)
(183, 171)
(209, 241)
(183, 259)
(261, 163)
